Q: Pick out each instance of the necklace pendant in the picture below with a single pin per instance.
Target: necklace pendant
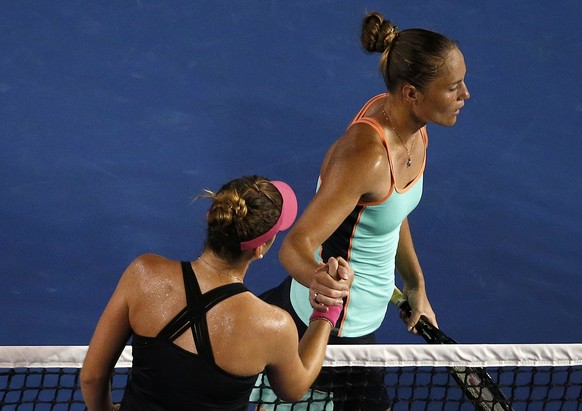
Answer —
(409, 162)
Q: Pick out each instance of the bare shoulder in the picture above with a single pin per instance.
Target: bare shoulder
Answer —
(149, 260)
(147, 264)
(358, 160)
(149, 270)
(271, 321)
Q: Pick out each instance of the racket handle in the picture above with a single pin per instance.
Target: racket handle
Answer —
(429, 332)
(398, 299)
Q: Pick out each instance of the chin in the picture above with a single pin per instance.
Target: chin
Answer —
(448, 122)
(452, 119)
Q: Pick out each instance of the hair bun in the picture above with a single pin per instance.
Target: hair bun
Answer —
(239, 207)
(377, 33)
(226, 208)
(242, 210)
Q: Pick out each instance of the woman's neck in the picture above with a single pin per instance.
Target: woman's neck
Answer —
(218, 266)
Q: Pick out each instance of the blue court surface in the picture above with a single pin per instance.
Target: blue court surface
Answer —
(114, 115)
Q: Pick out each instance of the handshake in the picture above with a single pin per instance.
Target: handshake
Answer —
(329, 287)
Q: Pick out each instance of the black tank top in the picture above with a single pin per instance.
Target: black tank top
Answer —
(165, 377)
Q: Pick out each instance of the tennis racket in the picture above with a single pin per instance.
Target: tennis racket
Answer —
(475, 381)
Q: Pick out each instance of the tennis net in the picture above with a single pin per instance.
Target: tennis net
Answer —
(415, 377)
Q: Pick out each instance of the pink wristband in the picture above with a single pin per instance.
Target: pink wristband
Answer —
(332, 314)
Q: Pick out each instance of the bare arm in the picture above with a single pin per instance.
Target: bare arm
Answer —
(295, 365)
(408, 267)
(355, 168)
(298, 364)
(109, 339)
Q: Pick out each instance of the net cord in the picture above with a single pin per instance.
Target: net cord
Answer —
(401, 355)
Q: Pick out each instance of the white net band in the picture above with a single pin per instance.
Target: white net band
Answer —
(420, 355)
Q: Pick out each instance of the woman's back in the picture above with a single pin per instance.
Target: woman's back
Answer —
(156, 294)
(174, 369)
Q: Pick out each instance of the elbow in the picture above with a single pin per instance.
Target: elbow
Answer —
(89, 379)
(295, 245)
(294, 391)
(292, 395)
(285, 252)
(290, 389)
(291, 398)
(85, 377)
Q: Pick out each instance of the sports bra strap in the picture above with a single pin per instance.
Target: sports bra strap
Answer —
(218, 294)
(194, 314)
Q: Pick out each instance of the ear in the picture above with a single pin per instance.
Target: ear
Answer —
(261, 250)
(410, 93)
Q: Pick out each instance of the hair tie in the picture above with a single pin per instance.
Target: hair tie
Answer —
(391, 37)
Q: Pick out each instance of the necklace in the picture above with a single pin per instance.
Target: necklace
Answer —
(409, 161)
(228, 274)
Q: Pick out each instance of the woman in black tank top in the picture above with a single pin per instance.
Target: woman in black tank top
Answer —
(199, 337)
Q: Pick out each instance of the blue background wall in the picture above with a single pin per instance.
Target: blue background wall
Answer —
(115, 114)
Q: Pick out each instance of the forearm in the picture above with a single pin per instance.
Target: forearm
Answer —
(97, 394)
(291, 378)
(313, 344)
(298, 258)
(312, 347)
(414, 289)
(407, 263)
(292, 383)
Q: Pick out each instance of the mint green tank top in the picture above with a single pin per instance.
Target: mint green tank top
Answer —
(368, 240)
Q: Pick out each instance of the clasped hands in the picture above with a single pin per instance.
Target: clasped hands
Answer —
(330, 284)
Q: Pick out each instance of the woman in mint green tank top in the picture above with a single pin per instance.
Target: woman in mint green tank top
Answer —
(370, 180)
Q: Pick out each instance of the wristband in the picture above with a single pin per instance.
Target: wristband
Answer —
(331, 316)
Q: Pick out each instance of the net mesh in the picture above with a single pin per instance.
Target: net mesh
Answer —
(407, 377)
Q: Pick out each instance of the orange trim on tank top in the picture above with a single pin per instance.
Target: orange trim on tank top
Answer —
(359, 118)
(348, 257)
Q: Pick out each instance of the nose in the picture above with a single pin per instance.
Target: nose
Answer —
(465, 95)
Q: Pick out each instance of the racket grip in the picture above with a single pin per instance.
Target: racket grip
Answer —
(399, 300)
(429, 332)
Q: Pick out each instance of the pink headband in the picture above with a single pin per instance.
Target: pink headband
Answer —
(286, 219)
